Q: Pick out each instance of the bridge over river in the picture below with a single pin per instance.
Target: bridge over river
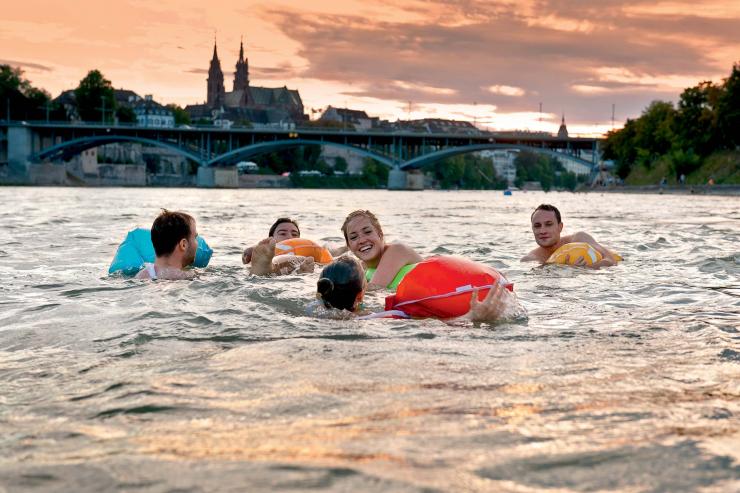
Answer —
(217, 150)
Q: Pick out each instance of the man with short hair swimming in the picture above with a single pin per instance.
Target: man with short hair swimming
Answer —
(174, 237)
(547, 226)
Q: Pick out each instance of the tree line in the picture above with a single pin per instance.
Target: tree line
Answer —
(705, 120)
(94, 96)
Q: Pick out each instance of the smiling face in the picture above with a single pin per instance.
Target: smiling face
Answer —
(284, 231)
(364, 240)
(546, 228)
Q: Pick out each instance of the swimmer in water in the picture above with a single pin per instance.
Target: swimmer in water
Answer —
(174, 237)
(547, 226)
(283, 228)
(342, 286)
(383, 262)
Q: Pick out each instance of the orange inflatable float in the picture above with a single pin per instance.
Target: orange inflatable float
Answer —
(441, 287)
(304, 248)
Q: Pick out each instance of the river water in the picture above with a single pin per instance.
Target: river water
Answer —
(624, 379)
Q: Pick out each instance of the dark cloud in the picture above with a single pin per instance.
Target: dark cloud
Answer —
(27, 65)
(279, 72)
(468, 46)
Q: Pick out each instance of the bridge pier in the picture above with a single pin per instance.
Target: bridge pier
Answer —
(20, 147)
(405, 180)
(396, 179)
(212, 177)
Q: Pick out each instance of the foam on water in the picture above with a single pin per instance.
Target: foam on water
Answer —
(624, 379)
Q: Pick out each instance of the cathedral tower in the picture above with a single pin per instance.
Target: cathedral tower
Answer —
(241, 76)
(216, 89)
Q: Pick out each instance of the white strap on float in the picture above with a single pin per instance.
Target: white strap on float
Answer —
(151, 271)
(285, 248)
(385, 314)
(458, 290)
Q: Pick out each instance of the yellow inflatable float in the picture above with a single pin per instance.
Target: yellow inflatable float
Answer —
(569, 253)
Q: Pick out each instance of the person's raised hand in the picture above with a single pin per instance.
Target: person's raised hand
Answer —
(493, 305)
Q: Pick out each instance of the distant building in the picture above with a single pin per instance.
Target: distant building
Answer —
(435, 126)
(149, 113)
(262, 105)
(503, 163)
(577, 167)
(350, 118)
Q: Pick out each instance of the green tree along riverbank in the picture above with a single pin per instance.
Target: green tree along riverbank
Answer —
(19, 100)
(467, 171)
(699, 138)
(547, 170)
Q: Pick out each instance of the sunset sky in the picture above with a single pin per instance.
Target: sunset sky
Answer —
(492, 62)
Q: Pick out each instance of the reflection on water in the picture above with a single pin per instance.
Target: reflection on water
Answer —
(624, 379)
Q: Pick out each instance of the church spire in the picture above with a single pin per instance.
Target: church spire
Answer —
(241, 75)
(216, 90)
(563, 130)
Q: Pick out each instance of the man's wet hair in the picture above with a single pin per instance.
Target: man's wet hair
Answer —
(282, 220)
(168, 229)
(361, 213)
(340, 282)
(547, 207)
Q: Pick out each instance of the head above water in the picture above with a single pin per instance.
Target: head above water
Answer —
(361, 213)
(547, 207)
(546, 226)
(341, 284)
(364, 237)
(284, 228)
(174, 233)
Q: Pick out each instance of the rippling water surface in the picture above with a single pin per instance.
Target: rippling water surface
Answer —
(625, 379)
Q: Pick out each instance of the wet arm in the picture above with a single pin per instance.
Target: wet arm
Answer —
(607, 257)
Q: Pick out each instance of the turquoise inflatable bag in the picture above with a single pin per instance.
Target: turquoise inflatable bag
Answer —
(137, 248)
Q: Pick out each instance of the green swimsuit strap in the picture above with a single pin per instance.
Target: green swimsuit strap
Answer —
(370, 272)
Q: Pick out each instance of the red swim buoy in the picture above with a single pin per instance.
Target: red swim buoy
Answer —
(442, 286)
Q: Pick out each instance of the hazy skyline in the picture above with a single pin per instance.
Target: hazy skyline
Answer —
(492, 62)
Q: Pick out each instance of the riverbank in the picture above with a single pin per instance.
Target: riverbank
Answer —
(725, 190)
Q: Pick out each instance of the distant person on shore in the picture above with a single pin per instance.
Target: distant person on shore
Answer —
(174, 237)
(547, 226)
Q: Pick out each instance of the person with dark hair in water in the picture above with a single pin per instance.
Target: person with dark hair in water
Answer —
(342, 286)
(174, 237)
(282, 229)
(547, 225)
(261, 255)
